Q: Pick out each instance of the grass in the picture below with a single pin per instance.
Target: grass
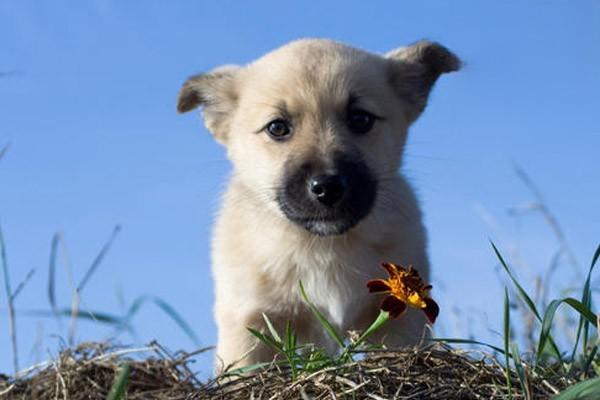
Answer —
(118, 389)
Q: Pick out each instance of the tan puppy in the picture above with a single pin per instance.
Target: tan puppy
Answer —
(315, 131)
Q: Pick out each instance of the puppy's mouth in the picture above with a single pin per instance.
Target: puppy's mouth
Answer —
(327, 201)
(323, 226)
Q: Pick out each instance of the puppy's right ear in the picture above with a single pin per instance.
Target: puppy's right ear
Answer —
(216, 93)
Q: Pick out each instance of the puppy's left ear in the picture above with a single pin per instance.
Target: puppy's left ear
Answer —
(415, 69)
(216, 93)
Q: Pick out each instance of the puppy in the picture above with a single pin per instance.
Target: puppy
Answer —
(315, 131)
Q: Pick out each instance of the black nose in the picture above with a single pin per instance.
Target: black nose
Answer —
(328, 189)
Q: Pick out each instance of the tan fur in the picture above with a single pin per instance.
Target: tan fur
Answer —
(259, 256)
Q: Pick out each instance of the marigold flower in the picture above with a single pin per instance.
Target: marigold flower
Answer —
(404, 288)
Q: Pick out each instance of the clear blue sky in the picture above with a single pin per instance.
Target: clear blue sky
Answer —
(88, 105)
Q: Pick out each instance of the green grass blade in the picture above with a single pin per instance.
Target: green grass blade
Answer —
(317, 360)
(586, 390)
(12, 326)
(271, 328)
(525, 297)
(381, 319)
(167, 309)
(94, 316)
(523, 381)
(507, 342)
(522, 293)
(278, 346)
(582, 309)
(117, 391)
(4, 150)
(99, 258)
(178, 319)
(290, 337)
(289, 347)
(466, 341)
(549, 318)
(586, 299)
(266, 339)
(52, 274)
(596, 256)
(324, 322)
(246, 369)
(588, 360)
(134, 308)
(22, 284)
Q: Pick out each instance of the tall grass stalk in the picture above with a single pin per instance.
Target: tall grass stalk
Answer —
(12, 327)
(119, 388)
(506, 342)
(4, 150)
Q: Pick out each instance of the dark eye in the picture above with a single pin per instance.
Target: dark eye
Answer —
(360, 121)
(278, 129)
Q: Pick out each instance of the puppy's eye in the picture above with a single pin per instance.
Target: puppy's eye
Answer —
(278, 129)
(360, 121)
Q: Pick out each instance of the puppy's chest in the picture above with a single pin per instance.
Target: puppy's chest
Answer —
(334, 280)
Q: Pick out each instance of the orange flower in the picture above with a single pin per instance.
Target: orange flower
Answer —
(405, 288)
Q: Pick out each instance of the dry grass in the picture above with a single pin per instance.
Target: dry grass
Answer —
(88, 372)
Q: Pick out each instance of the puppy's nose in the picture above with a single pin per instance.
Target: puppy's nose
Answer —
(328, 189)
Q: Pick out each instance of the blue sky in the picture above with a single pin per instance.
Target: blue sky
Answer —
(87, 102)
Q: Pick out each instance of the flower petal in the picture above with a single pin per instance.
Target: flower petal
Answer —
(414, 274)
(378, 286)
(431, 310)
(394, 306)
(390, 268)
(415, 300)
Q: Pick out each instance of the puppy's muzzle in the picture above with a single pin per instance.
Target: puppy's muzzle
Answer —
(327, 200)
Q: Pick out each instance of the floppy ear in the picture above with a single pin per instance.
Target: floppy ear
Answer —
(416, 68)
(216, 92)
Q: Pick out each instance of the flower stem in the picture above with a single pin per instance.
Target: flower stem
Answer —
(382, 318)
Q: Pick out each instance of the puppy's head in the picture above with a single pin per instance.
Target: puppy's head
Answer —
(315, 128)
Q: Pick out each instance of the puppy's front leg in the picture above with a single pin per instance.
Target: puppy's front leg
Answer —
(237, 347)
